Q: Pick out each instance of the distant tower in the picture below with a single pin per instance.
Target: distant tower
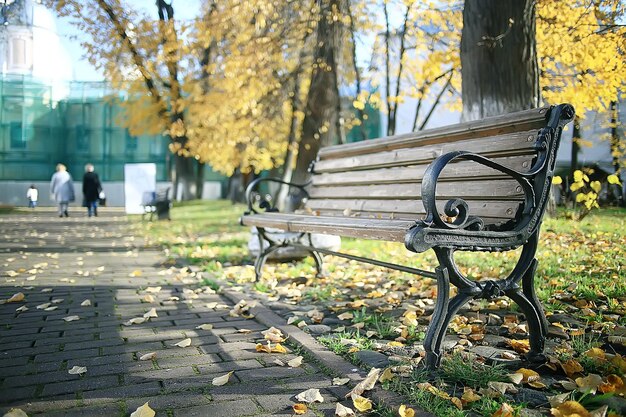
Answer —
(16, 37)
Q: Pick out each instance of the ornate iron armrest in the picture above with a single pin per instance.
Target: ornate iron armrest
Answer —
(457, 208)
(466, 231)
(265, 202)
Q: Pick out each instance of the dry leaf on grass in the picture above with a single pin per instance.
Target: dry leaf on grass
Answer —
(590, 383)
(15, 412)
(16, 298)
(343, 411)
(569, 409)
(295, 362)
(300, 408)
(387, 375)
(361, 403)
(148, 356)
(310, 396)
(77, 370)
(205, 327)
(71, 318)
(222, 380)
(345, 316)
(556, 400)
(183, 343)
(143, 411)
(505, 410)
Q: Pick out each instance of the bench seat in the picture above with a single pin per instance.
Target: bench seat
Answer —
(375, 229)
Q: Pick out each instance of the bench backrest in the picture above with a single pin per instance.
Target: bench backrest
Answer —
(381, 178)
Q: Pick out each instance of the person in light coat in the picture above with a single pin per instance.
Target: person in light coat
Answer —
(62, 189)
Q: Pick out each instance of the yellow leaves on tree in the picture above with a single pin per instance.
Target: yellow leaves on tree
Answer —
(580, 45)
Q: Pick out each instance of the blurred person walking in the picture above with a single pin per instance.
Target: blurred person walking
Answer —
(32, 195)
(91, 190)
(62, 189)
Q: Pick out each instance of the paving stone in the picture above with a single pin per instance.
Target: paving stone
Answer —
(243, 407)
(85, 383)
(38, 347)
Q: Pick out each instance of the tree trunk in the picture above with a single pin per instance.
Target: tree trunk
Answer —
(200, 180)
(498, 57)
(184, 179)
(320, 120)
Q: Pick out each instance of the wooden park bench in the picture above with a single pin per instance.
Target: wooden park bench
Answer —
(483, 186)
(156, 202)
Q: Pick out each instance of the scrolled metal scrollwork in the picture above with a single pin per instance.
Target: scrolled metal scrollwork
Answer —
(266, 202)
(458, 208)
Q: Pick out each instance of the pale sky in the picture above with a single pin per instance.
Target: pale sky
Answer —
(70, 36)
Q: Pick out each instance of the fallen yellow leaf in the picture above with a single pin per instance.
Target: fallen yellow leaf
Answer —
(295, 362)
(183, 343)
(148, 356)
(143, 411)
(361, 403)
(343, 411)
(222, 380)
(405, 411)
(300, 408)
(570, 409)
(16, 298)
(15, 412)
(571, 367)
(205, 327)
(505, 410)
(469, 396)
(387, 375)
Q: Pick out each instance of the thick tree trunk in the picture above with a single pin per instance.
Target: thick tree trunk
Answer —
(320, 121)
(498, 57)
(184, 178)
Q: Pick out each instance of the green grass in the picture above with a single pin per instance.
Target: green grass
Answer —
(465, 371)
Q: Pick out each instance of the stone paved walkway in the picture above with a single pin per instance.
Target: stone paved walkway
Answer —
(59, 263)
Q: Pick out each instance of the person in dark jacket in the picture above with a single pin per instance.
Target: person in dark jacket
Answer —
(91, 190)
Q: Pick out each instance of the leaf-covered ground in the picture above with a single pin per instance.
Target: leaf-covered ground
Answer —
(377, 317)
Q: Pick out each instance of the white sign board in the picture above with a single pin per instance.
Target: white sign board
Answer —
(138, 179)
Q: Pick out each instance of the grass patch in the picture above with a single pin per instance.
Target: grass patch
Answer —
(461, 369)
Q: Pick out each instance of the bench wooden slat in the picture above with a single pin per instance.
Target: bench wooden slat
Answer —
(392, 230)
(463, 170)
(475, 190)
(497, 209)
(492, 146)
(507, 123)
